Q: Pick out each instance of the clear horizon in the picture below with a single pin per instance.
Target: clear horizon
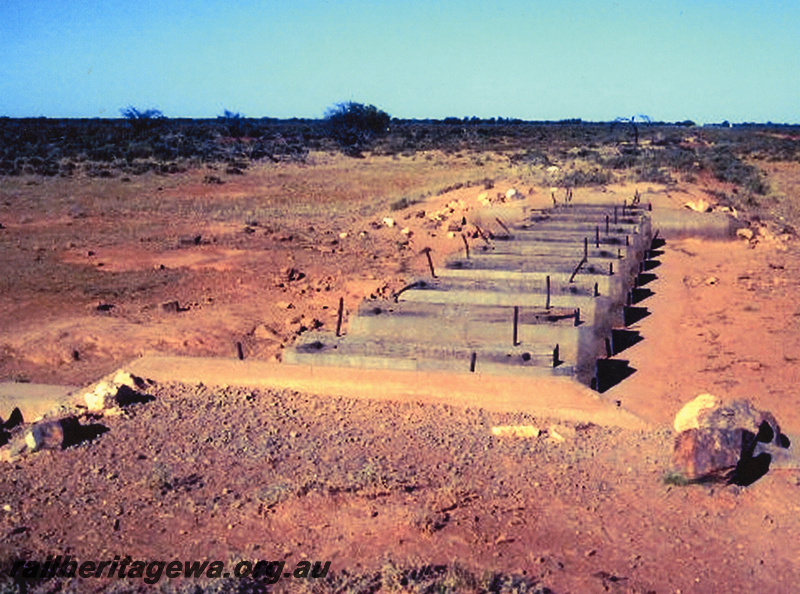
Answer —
(706, 61)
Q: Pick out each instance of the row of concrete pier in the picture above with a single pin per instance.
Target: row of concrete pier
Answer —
(543, 297)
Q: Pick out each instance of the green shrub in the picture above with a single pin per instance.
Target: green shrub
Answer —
(355, 126)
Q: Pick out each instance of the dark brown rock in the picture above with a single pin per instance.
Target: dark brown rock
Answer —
(727, 444)
(171, 307)
(740, 414)
(707, 452)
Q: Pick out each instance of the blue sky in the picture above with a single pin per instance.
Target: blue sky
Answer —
(592, 59)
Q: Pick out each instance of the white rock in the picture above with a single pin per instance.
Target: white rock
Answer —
(729, 210)
(31, 441)
(745, 233)
(687, 416)
(47, 434)
(516, 431)
(561, 432)
(104, 396)
(406, 231)
(698, 205)
(123, 378)
(388, 221)
(552, 169)
(343, 235)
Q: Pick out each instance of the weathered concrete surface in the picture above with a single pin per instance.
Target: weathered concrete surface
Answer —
(33, 400)
(463, 317)
(613, 286)
(375, 353)
(553, 397)
(675, 224)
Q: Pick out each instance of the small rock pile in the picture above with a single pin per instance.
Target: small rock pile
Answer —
(106, 399)
(732, 442)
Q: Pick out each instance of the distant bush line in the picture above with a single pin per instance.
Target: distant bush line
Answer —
(113, 147)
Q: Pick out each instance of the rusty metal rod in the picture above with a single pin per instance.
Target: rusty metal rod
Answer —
(339, 317)
(577, 316)
(482, 234)
(547, 282)
(515, 342)
(556, 358)
(466, 244)
(414, 285)
(472, 361)
(503, 225)
(597, 236)
(427, 252)
(239, 351)
(577, 268)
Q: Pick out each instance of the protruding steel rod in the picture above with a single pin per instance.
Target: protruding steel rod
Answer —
(610, 269)
(597, 236)
(430, 264)
(503, 225)
(615, 215)
(577, 316)
(239, 351)
(482, 234)
(472, 361)
(466, 244)
(547, 282)
(609, 351)
(585, 248)
(596, 290)
(339, 317)
(516, 326)
(414, 285)
(556, 359)
(427, 252)
(577, 268)
(606, 224)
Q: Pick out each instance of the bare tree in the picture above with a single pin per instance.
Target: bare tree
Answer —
(634, 126)
(141, 120)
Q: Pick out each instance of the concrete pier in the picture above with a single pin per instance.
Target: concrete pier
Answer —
(542, 299)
